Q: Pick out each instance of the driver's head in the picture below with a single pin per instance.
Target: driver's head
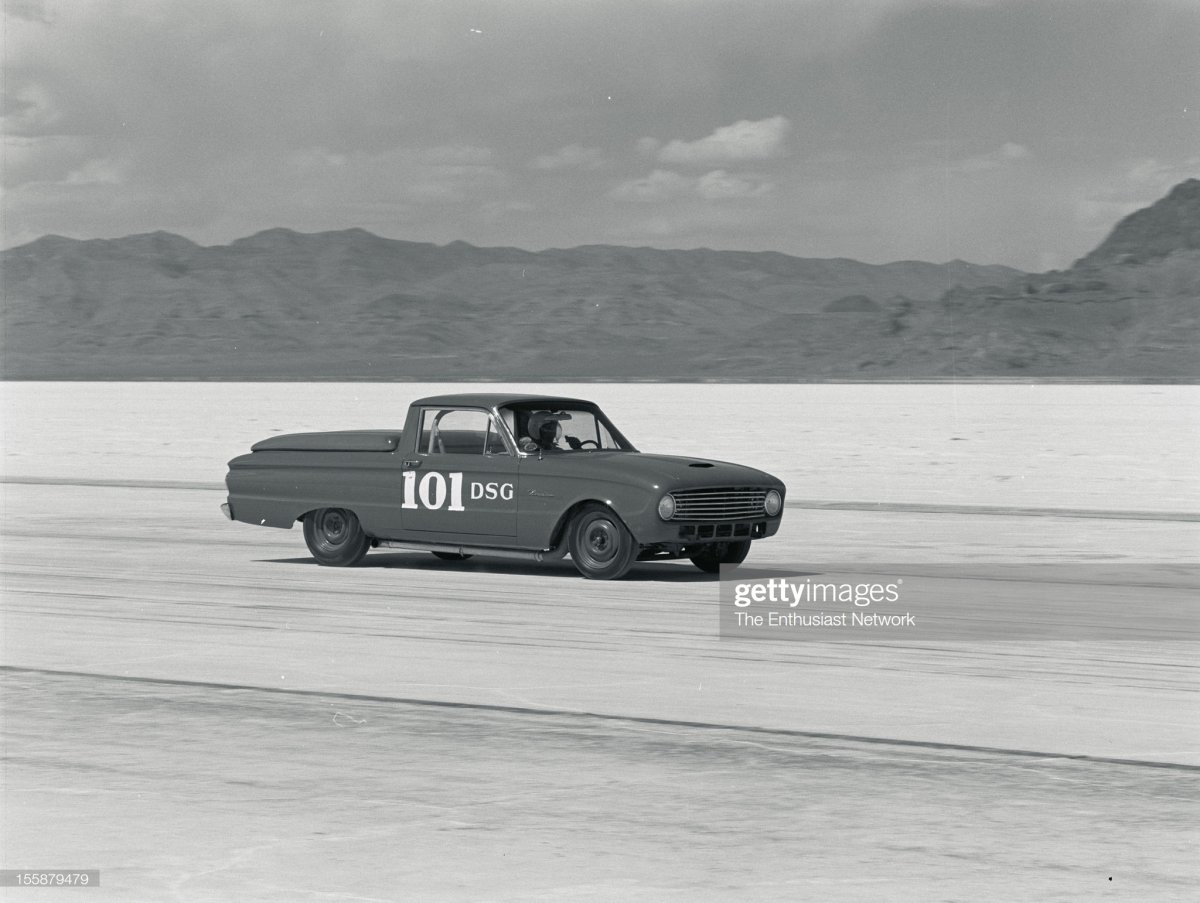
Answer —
(544, 429)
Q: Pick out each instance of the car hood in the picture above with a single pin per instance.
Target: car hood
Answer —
(654, 471)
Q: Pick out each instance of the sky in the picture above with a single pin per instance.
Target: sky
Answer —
(993, 131)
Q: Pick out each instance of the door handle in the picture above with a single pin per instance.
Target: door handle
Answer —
(413, 462)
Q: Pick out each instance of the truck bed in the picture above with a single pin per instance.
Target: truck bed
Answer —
(344, 440)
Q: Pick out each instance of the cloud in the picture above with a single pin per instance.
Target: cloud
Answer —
(49, 159)
(1007, 153)
(97, 172)
(573, 156)
(719, 185)
(436, 175)
(648, 147)
(30, 111)
(744, 140)
(658, 186)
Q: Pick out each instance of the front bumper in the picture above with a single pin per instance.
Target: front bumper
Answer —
(692, 533)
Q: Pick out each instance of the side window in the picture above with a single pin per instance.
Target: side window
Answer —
(449, 431)
(605, 437)
(584, 427)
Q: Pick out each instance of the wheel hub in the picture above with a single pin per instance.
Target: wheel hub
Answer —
(600, 541)
(333, 525)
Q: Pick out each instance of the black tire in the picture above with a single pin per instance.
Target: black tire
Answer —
(602, 548)
(451, 556)
(335, 537)
(711, 557)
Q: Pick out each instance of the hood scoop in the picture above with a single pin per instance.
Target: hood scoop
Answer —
(700, 464)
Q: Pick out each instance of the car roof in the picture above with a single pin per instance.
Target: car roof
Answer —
(497, 400)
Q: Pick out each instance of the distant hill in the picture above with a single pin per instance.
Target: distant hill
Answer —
(1165, 227)
(351, 305)
(1129, 310)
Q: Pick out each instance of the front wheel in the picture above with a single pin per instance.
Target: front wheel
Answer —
(602, 548)
(711, 557)
(335, 537)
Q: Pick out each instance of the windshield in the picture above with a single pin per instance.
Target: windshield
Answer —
(547, 427)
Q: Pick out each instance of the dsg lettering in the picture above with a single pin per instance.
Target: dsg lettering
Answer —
(434, 490)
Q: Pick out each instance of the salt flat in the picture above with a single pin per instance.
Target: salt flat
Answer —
(1058, 446)
(198, 710)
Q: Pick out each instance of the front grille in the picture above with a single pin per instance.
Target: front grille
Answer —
(718, 504)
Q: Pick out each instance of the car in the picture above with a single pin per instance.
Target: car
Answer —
(530, 477)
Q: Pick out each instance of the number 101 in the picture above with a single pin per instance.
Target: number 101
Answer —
(431, 493)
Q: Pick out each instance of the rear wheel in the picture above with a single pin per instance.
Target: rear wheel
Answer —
(602, 548)
(712, 556)
(335, 537)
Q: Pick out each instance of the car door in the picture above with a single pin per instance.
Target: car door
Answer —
(462, 481)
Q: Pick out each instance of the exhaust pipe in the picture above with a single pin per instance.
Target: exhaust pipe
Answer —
(456, 549)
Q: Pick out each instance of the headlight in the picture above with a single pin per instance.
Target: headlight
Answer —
(666, 507)
(772, 503)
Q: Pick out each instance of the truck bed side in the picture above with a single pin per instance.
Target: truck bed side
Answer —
(285, 477)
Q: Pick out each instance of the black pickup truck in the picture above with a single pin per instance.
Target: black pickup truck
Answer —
(515, 476)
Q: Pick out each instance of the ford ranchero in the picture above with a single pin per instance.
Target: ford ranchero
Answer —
(515, 476)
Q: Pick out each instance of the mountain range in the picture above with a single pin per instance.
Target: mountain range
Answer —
(351, 305)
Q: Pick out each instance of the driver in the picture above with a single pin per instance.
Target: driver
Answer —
(545, 428)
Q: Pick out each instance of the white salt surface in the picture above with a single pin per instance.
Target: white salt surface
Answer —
(177, 787)
(1101, 447)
